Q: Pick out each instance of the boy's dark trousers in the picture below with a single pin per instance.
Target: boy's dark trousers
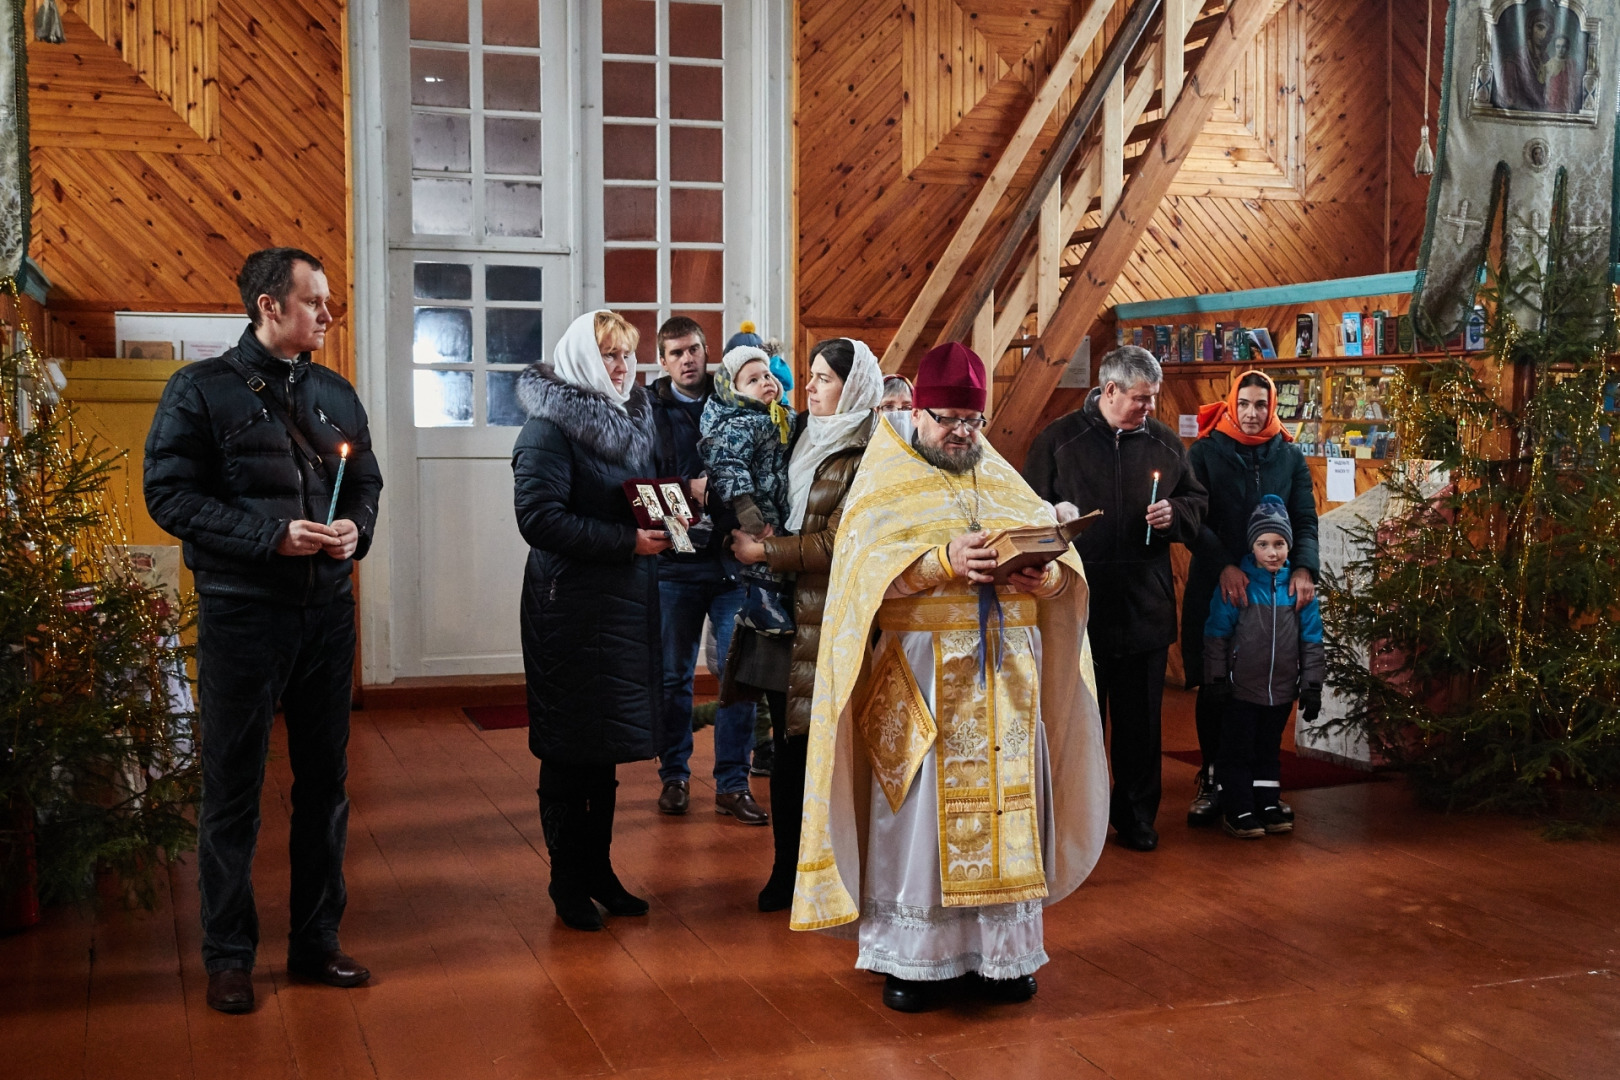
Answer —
(1247, 767)
(250, 654)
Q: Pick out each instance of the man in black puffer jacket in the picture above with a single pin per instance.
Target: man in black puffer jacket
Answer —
(241, 463)
(1104, 456)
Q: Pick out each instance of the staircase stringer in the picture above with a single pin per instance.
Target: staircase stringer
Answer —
(1012, 428)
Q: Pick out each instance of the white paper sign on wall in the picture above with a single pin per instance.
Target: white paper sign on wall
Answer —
(1341, 479)
(1188, 428)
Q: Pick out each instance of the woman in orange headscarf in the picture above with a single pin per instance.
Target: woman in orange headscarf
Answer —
(1243, 452)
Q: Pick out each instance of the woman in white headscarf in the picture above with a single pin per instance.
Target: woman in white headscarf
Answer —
(591, 650)
(843, 391)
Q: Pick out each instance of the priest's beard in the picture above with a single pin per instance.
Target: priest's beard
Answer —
(954, 459)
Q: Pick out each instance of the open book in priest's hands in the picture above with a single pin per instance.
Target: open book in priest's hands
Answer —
(1034, 545)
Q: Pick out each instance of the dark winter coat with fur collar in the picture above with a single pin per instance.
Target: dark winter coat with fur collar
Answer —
(591, 647)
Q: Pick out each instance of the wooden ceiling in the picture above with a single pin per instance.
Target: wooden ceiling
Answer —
(1294, 180)
(170, 140)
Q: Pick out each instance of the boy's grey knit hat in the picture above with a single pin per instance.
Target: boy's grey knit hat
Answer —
(1270, 516)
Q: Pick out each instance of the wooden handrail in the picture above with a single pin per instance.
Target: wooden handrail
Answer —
(1105, 82)
(995, 185)
(1013, 425)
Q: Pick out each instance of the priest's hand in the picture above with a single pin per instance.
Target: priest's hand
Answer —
(971, 559)
(1302, 587)
(1029, 579)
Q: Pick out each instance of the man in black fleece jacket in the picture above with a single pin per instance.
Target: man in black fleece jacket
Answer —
(1105, 456)
(241, 462)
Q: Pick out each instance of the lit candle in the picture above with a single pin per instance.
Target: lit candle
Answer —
(1151, 500)
(343, 463)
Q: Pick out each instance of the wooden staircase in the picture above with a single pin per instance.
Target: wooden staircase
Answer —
(1093, 196)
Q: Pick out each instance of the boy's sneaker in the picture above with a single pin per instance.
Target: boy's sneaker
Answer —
(1244, 826)
(1286, 811)
(1206, 806)
(1275, 819)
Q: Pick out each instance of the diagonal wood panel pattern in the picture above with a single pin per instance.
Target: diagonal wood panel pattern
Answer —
(144, 73)
(167, 229)
(869, 229)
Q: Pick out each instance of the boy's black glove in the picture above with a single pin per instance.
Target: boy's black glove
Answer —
(1218, 691)
(1310, 703)
(749, 515)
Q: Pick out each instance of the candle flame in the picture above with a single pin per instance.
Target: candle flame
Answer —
(343, 451)
(1155, 474)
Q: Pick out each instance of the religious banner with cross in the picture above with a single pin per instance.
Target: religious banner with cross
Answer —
(1527, 136)
(14, 176)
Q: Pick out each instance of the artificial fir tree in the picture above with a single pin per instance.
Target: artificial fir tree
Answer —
(1489, 610)
(96, 764)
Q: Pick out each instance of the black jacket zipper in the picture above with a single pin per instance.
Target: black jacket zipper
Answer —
(298, 467)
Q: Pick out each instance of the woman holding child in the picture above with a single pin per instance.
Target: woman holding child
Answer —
(843, 390)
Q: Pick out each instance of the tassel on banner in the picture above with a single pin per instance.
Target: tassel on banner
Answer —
(1423, 164)
(48, 23)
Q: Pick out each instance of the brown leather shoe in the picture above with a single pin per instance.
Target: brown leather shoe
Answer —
(741, 805)
(675, 799)
(336, 968)
(231, 990)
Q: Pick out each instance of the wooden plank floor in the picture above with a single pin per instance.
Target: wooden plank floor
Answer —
(1379, 940)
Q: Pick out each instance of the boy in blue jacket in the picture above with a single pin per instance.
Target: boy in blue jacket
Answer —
(1263, 655)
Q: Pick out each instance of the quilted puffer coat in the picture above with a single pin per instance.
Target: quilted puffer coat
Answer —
(809, 555)
(591, 651)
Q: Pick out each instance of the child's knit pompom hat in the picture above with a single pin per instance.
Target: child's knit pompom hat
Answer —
(1270, 516)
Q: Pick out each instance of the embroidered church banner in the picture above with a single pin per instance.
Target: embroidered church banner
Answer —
(1527, 112)
(14, 180)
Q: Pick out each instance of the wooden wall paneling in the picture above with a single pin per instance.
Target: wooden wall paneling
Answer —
(134, 209)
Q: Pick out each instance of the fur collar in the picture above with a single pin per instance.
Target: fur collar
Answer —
(588, 417)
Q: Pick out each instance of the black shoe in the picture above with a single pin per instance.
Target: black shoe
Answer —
(1206, 806)
(675, 799)
(1273, 820)
(1243, 826)
(1141, 838)
(610, 892)
(334, 968)
(231, 991)
(904, 995)
(741, 805)
(777, 895)
(576, 910)
(1286, 810)
(1005, 991)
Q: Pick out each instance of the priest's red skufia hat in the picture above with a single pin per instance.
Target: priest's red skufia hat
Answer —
(951, 376)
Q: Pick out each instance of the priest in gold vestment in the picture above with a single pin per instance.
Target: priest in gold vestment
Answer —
(956, 781)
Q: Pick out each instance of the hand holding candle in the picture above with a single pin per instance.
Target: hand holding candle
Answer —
(343, 463)
(1153, 498)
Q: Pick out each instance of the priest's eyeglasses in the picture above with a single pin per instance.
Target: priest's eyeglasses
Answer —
(959, 423)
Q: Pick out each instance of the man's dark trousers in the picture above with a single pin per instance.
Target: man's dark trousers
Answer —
(1130, 691)
(250, 654)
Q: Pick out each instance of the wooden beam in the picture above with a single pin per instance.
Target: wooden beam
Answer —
(1113, 144)
(1013, 429)
(995, 185)
(1086, 108)
(1049, 255)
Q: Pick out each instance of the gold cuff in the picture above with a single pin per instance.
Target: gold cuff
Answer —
(932, 568)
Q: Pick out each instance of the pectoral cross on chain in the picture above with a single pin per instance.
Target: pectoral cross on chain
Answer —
(1461, 220)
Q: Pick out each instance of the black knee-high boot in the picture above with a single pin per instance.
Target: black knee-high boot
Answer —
(787, 818)
(604, 884)
(564, 819)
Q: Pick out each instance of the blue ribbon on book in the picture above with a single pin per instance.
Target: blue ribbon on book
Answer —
(989, 602)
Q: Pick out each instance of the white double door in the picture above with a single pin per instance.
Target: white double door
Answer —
(519, 162)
